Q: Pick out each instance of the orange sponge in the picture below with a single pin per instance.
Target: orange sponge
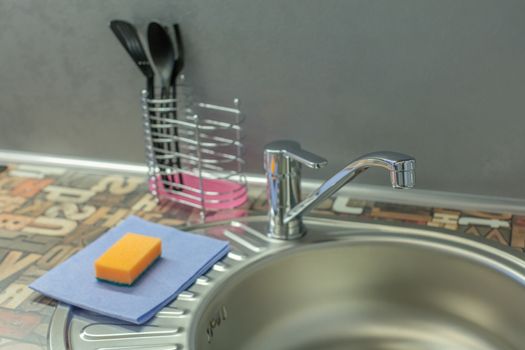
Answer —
(127, 259)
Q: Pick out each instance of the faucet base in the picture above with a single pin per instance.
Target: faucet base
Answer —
(292, 230)
(282, 162)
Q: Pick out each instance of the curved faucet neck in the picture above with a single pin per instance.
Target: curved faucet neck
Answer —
(400, 166)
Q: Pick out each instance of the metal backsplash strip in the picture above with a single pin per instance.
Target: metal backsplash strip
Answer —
(460, 201)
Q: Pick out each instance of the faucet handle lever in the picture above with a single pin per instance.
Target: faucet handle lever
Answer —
(291, 150)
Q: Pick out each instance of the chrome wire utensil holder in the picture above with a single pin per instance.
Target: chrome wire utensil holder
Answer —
(194, 151)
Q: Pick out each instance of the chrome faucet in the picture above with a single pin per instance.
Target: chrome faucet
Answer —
(282, 162)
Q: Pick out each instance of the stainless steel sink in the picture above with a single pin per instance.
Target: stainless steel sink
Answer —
(345, 285)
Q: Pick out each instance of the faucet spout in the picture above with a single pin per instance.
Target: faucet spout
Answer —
(400, 166)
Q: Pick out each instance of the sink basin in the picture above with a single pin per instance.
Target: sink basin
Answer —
(345, 285)
(370, 291)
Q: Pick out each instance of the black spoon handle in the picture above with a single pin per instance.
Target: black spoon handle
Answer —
(176, 131)
(179, 64)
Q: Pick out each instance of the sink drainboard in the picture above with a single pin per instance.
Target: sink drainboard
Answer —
(74, 328)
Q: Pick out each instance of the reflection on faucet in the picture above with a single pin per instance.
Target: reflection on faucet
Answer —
(401, 167)
(283, 161)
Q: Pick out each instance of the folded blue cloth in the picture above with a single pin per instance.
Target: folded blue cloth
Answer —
(184, 258)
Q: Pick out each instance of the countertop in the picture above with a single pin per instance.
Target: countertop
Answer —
(49, 213)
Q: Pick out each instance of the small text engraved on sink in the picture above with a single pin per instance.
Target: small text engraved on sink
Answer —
(220, 316)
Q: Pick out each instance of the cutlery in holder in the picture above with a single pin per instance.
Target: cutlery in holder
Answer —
(195, 159)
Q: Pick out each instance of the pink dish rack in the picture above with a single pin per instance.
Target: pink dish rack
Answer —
(194, 151)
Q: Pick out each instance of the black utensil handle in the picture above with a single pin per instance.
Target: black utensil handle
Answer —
(164, 130)
(157, 132)
(176, 130)
(180, 52)
(150, 89)
(179, 64)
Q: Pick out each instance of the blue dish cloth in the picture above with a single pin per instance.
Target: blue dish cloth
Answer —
(185, 257)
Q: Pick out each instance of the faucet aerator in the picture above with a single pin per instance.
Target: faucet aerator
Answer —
(403, 179)
(402, 172)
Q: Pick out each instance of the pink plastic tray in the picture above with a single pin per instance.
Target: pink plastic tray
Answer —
(218, 193)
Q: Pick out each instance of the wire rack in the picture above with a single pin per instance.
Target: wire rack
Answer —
(194, 151)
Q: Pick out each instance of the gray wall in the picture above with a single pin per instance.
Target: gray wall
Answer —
(443, 80)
